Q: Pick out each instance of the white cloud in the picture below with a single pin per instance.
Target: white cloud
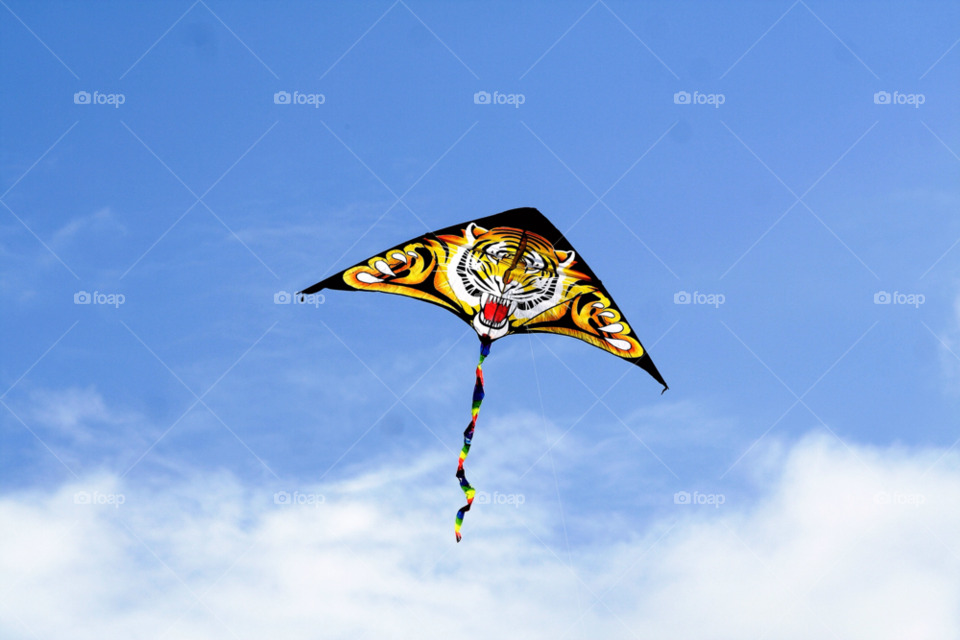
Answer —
(99, 221)
(815, 556)
(74, 411)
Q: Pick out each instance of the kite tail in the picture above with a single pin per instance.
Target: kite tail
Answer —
(468, 436)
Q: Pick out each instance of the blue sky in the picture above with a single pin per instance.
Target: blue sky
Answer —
(798, 199)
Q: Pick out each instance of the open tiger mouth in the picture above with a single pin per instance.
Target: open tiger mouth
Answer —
(495, 311)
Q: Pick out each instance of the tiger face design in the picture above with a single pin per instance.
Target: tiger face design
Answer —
(500, 280)
(507, 277)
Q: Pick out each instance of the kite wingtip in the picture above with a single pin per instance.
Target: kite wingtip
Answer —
(665, 387)
(458, 538)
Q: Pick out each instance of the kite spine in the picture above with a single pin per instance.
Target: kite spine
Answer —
(468, 436)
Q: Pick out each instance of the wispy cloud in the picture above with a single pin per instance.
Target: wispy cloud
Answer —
(75, 412)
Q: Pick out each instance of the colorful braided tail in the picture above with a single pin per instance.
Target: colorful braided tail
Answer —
(468, 436)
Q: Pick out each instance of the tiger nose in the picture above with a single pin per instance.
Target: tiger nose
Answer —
(509, 285)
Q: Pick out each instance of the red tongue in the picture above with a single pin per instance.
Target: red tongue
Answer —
(495, 312)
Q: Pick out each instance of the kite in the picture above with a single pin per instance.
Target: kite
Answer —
(512, 272)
